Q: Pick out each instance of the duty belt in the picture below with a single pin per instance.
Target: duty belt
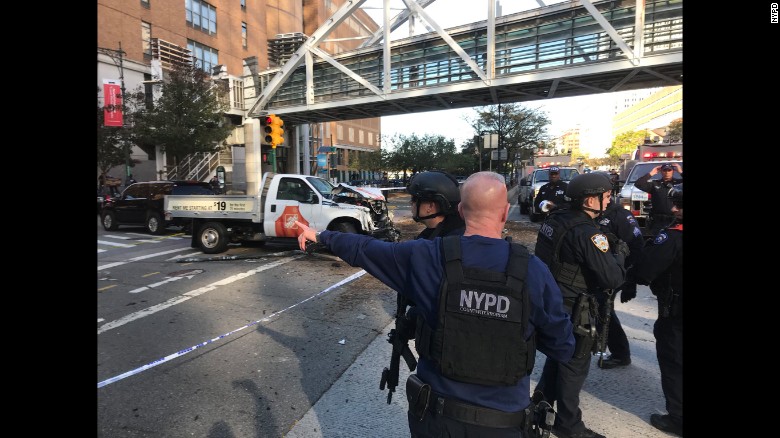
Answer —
(421, 398)
(472, 414)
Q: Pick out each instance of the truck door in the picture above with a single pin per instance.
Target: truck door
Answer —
(294, 200)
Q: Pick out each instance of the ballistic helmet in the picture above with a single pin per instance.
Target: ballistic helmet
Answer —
(675, 195)
(588, 184)
(437, 186)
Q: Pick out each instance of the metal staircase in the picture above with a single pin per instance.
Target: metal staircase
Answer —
(201, 166)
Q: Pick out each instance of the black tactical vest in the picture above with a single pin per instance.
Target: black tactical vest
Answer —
(483, 315)
(548, 247)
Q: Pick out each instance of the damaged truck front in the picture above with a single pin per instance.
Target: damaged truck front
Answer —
(270, 214)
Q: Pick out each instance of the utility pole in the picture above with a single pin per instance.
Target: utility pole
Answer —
(118, 57)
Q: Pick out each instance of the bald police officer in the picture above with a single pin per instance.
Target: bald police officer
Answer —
(474, 381)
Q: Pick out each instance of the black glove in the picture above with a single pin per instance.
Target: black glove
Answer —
(627, 292)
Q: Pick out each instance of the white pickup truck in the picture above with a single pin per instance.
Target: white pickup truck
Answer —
(218, 220)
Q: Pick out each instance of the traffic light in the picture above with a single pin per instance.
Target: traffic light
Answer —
(273, 129)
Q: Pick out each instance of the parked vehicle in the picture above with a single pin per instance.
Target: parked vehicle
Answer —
(270, 214)
(529, 189)
(142, 204)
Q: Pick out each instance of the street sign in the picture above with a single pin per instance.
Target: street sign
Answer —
(498, 155)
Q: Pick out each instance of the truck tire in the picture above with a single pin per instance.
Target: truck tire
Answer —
(154, 223)
(346, 227)
(212, 238)
(109, 221)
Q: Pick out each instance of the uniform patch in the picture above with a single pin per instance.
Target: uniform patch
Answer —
(600, 241)
(637, 232)
(660, 238)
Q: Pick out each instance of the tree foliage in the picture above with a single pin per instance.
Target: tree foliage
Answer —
(186, 118)
(521, 131)
(414, 153)
(675, 130)
(626, 143)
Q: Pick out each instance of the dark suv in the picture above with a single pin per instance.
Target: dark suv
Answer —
(142, 204)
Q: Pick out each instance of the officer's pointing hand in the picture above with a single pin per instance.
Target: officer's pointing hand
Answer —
(306, 233)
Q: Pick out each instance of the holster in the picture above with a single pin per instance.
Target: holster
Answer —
(418, 394)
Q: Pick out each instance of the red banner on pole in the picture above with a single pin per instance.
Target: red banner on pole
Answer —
(112, 98)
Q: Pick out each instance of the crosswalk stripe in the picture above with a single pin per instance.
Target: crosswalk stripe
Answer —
(123, 245)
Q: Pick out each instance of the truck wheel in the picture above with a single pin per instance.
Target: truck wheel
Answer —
(213, 238)
(154, 223)
(109, 222)
(346, 227)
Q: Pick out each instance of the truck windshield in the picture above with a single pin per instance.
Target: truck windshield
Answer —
(641, 169)
(323, 186)
(566, 175)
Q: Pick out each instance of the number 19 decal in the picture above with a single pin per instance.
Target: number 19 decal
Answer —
(221, 205)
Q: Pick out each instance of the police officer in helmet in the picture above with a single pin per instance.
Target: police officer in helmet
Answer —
(583, 263)
(661, 268)
(435, 199)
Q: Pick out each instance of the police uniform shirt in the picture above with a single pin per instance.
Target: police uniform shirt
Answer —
(554, 192)
(623, 224)
(587, 246)
(415, 268)
(663, 257)
(452, 224)
(659, 192)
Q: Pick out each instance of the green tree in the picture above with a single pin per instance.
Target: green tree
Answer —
(675, 130)
(522, 131)
(187, 118)
(417, 154)
(626, 143)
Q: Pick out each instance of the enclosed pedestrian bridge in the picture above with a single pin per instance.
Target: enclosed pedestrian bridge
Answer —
(566, 49)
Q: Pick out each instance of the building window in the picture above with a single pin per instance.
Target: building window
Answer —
(360, 136)
(243, 34)
(339, 132)
(201, 15)
(203, 57)
(238, 94)
(146, 39)
(352, 135)
(243, 5)
(145, 3)
(371, 138)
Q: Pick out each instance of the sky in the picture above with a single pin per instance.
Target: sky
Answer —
(593, 113)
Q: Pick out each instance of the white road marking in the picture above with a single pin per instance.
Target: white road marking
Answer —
(101, 250)
(167, 280)
(192, 294)
(183, 255)
(123, 245)
(114, 236)
(135, 259)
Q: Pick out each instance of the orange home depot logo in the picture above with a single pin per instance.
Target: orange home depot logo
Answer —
(285, 225)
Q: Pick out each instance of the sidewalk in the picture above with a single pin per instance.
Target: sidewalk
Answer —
(616, 403)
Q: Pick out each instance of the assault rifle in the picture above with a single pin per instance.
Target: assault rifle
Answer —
(606, 316)
(399, 338)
